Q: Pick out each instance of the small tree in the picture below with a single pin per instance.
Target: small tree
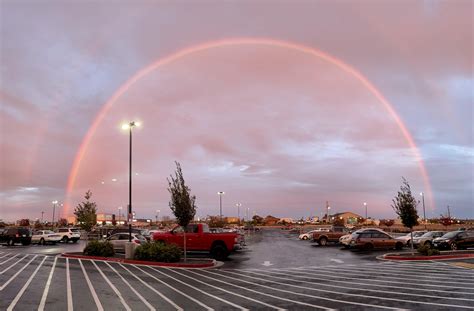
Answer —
(86, 213)
(24, 222)
(38, 225)
(404, 204)
(62, 222)
(445, 221)
(182, 203)
(339, 222)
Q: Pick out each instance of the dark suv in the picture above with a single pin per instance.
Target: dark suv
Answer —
(10, 236)
(455, 240)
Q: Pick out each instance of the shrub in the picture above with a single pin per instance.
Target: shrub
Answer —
(99, 248)
(157, 251)
(426, 250)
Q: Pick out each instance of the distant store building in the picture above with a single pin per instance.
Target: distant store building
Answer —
(349, 218)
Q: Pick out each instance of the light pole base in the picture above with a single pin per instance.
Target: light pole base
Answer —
(129, 250)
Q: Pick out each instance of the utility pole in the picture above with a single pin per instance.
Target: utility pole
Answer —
(327, 211)
(449, 213)
(42, 213)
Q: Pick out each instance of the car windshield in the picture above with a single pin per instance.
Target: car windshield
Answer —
(47, 232)
(450, 235)
(75, 230)
(427, 234)
(417, 234)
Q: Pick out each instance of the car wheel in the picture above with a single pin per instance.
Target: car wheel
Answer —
(398, 246)
(454, 246)
(408, 242)
(305, 237)
(65, 239)
(323, 241)
(42, 242)
(74, 241)
(10, 242)
(219, 252)
(368, 247)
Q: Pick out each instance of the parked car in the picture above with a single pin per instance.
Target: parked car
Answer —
(345, 240)
(427, 238)
(118, 240)
(369, 239)
(42, 237)
(406, 239)
(330, 236)
(141, 232)
(455, 240)
(308, 235)
(69, 234)
(15, 235)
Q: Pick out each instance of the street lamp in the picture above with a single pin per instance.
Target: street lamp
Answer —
(238, 210)
(120, 214)
(365, 204)
(55, 202)
(157, 216)
(129, 126)
(424, 214)
(220, 193)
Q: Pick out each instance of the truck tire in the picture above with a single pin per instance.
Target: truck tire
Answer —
(323, 241)
(219, 252)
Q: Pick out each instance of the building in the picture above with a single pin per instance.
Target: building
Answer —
(270, 220)
(348, 217)
(286, 220)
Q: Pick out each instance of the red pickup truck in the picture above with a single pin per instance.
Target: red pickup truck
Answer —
(199, 238)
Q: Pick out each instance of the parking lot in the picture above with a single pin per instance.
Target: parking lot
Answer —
(276, 271)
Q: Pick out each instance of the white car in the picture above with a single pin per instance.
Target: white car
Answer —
(119, 240)
(407, 238)
(427, 238)
(308, 235)
(69, 234)
(45, 236)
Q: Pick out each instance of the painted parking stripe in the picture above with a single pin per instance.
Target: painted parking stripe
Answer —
(224, 290)
(14, 264)
(153, 289)
(388, 276)
(150, 307)
(175, 289)
(8, 259)
(330, 278)
(91, 288)
(3, 256)
(365, 289)
(358, 295)
(200, 290)
(46, 288)
(17, 273)
(20, 293)
(439, 279)
(68, 286)
(249, 289)
(423, 273)
(285, 291)
(425, 266)
(116, 291)
(453, 265)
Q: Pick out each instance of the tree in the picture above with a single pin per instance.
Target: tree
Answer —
(182, 203)
(404, 204)
(24, 222)
(339, 222)
(62, 222)
(387, 222)
(86, 213)
(446, 221)
(38, 225)
(257, 220)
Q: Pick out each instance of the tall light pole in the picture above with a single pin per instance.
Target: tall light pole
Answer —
(423, 200)
(365, 204)
(238, 210)
(55, 202)
(157, 216)
(120, 214)
(327, 211)
(129, 126)
(42, 213)
(220, 193)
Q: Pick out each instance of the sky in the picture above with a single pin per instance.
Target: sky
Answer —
(268, 101)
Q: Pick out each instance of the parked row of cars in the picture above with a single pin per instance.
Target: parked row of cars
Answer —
(25, 236)
(370, 238)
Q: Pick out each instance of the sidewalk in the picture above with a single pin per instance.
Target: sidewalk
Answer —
(190, 263)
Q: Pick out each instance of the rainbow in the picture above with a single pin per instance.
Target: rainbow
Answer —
(238, 42)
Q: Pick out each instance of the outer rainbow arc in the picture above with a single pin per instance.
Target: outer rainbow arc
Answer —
(244, 41)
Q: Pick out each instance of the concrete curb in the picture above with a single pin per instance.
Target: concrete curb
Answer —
(210, 264)
(399, 257)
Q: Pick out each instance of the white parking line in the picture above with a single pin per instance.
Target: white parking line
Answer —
(436, 266)
(387, 276)
(176, 290)
(322, 277)
(16, 274)
(241, 287)
(20, 293)
(226, 291)
(68, 286)
(4, 256)
(200, 290)
(14, 264)
(153, 289)
(364, 289)
(281, 290)
(466, 270)
(117, 292)
(91, 288)
(46, 288)
(354, 295)
(423, 273)
(439, 279)
(150, 307)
